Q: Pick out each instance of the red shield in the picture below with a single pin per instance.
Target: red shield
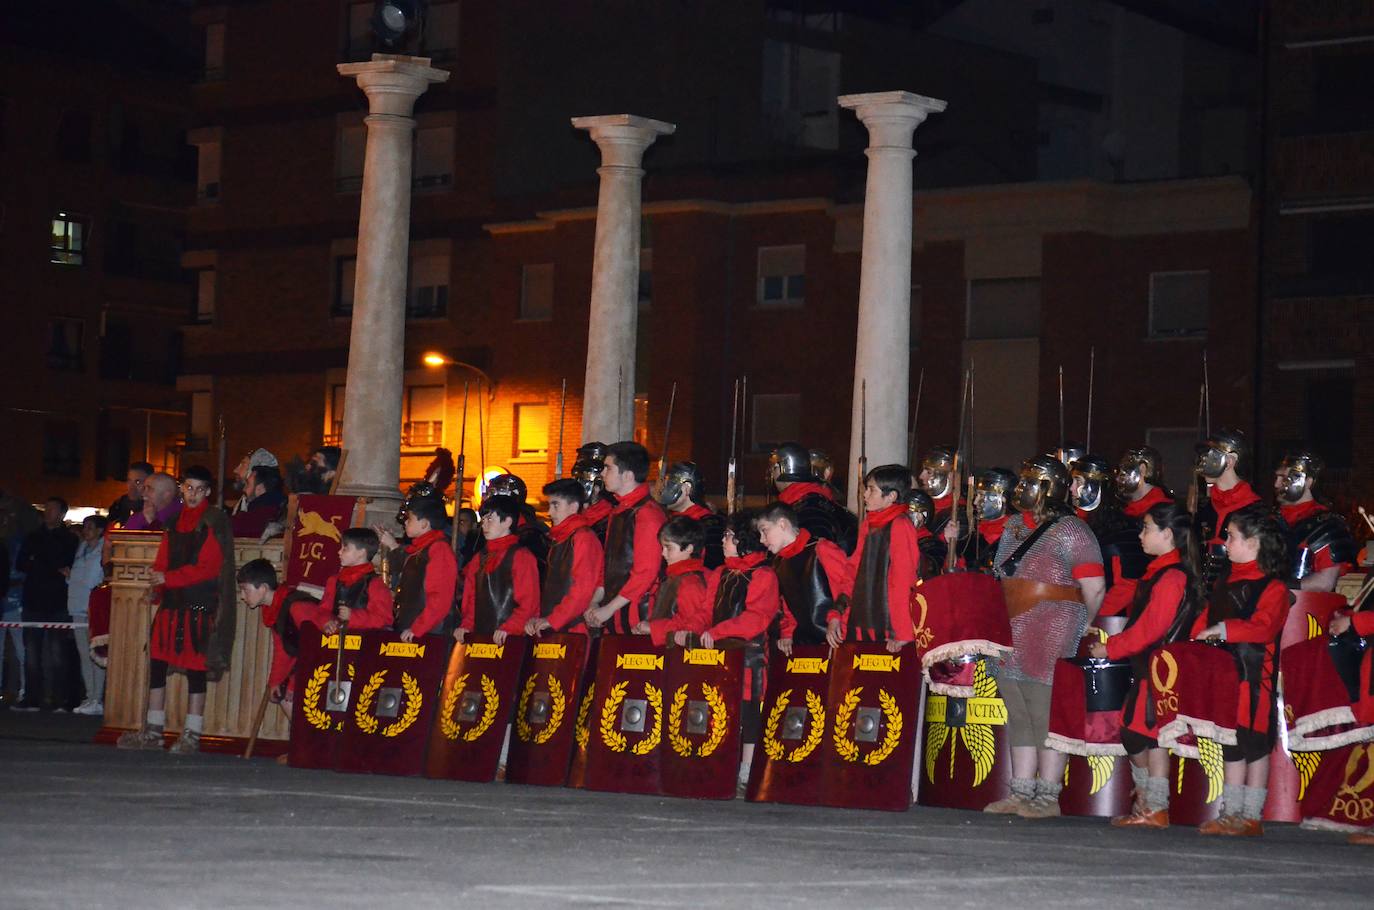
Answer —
(626, 717)
(577, 766)
(965, 757)
(476, 706)
(393, 697)
(1097, 785)
(546, 710)
(1195, 785)
(1338, 787)
(871, 736)
(788, 764)
(955, 615)
(699, 756)
(323, 705)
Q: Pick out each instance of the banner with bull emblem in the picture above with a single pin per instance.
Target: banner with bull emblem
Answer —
(788, 760)
(315, 526)
(625, 722)
(325, 672)
(966, 757)
(702, 689)
(872, 734)
(546, 709)
(393, 703)
(476, 706)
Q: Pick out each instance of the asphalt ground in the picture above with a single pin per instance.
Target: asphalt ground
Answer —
(88, 826)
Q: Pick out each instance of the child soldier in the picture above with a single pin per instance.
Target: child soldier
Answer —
(812, 575)
(884, 566)
(429, 571)
(632, 551)
(258, 587)
(680, 605)
(500, 589)
(573, 578)
(356, 597)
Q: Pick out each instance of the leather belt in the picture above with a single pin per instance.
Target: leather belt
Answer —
(1022, 594)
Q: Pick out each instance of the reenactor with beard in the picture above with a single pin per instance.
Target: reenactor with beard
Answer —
(1139, 485)
(1094, 500)
(1320, 547)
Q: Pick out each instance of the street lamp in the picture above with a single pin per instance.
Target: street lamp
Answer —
(394, 21)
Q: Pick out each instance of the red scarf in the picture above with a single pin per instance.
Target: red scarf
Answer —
(884, 517)
(696, 511)
(496, 550)
(1245, 571)
(944, 503)
(189, 517)
(1142, 505)
(1029, 519)
(424, 540)
(1296, 513)
(350, 574)
(796, 546)
(565, 528)
(1227, 501)
(796, 491)
(744, 563)
(991, 528)
(1162, 562)
(682, 568)
(922, 534)
(631, 499)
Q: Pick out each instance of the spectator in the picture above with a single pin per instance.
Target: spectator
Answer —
(86, 574)
(42, 557)
(160, 505)
(17, 519)
(320, 470)
(266, 503)
(131, 503)
(258, 458)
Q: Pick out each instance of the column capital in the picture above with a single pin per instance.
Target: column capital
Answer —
(891, 117)
(623, 138)
(393, 81)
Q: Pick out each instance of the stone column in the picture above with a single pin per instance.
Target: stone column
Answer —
(882, 355)
(376, 354)
(609, 390)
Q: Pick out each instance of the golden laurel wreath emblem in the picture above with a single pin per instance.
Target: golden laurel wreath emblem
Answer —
(582, 733)
(1213, 765)
(1101, 767)
(613, 738)
(491, 700)
(846, 748)
(316, 716)
(556, 709)
(362, 713)
(716, 733)
(773, 747)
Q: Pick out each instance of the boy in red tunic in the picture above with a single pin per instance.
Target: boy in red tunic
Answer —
(501, 587)
(884, 566)
(1248, 608)
(429, 573)
(813, 575)
(356, 597)
(576, 563)
(258, 587)
(632, 551)
(680, 605)
(193, 630)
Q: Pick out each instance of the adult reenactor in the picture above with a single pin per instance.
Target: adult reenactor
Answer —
(936, 477)
(633, 553)
(1095, 501)
(588, 466)
(680, 494)
(1320, 546)
(812, 500)
(920, 509)
(992, 491)
(1139, 486)
(1219, 461)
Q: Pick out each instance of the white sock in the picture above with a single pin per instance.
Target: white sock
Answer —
(157, 718)
(195, 723)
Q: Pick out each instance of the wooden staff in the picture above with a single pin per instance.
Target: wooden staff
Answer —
(732, 465)
(915, 416)
(562, 411)
(258, 716)
(952, 554)
(667, 431)
(223, 460)
(1092, 369)
(863, 444)
(460, 469)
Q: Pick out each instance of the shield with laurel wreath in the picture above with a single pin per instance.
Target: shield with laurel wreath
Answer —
(702, 689)
(625, 716)
(788, 765)
(393, 695)
(871, 734)
(475, 706)
(323, 704)
(547, 698)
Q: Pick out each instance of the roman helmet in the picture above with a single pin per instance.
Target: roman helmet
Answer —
(821, 466)
(673, 483)
(992, 489)
(1069, 452)
(423, 491)
(790, 463)
(1042, 479)
(920, 507)
(507, 485)
(1211, 455)
(1298, 473)
(1143, 464)
(938, 468)
(1089, 476)
(587, 468)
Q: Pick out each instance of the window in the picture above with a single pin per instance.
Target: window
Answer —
(536, 292)
(531, 431)
(348, 165)
(1177, 446)
(207, 171)
(782, 276)
(433, 158)
(202, 422)
(424, 423)
(428, 296)
(1004, 308)
(74, 137)
(68, 240)
(441, 32)
(777, 419)
(61, 448)
(646, 279)
(1179, 304)
(65, 345)
(140, 249)
(345, 274)
(336, 412)
(205, 297)
(1339, 247)
(214, 52)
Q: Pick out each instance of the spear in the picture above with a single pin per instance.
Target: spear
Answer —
(1092, 369)
(743, 423)
(915, 416)
(1061, 413)
(562, 410)
(667, 429)
(619, 403)
(863, 443)
(1206, 392)
(952, 555)
(732, 465)
(481, 444)
(460, 468)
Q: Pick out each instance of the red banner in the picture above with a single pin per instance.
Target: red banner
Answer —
(315, 526)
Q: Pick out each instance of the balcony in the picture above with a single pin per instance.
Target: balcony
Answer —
(422, 433)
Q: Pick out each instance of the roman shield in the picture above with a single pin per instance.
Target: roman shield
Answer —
(626, 716)
(546, 707)
(393, 704)
(788, 764)
(475, 707)
(702, 689)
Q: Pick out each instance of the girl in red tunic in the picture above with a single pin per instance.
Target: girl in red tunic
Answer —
(1247, 610)
(1161, 611)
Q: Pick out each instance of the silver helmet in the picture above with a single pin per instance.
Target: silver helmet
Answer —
(1042, 479)
(682, 478)
(992, 491)
(1297, 474)
(1142, 464)
(1089, 477)
(937, 471)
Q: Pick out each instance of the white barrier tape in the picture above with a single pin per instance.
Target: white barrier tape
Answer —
(43, 625)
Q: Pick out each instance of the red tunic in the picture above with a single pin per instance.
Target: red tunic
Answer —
(524, 576)
(282, 663)
(377, 614)
(161, 642)
(834, 564)
(588, 571)
(696, 511)
(1294, 514)
(693, 610)
(648, 558)
(1155, 619)
(1118, 598)
(1224, 502)
(761, 604)
(597, 511)
(441, 577)
(903, 569)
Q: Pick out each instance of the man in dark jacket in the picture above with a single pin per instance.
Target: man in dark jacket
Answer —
(42, 557)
